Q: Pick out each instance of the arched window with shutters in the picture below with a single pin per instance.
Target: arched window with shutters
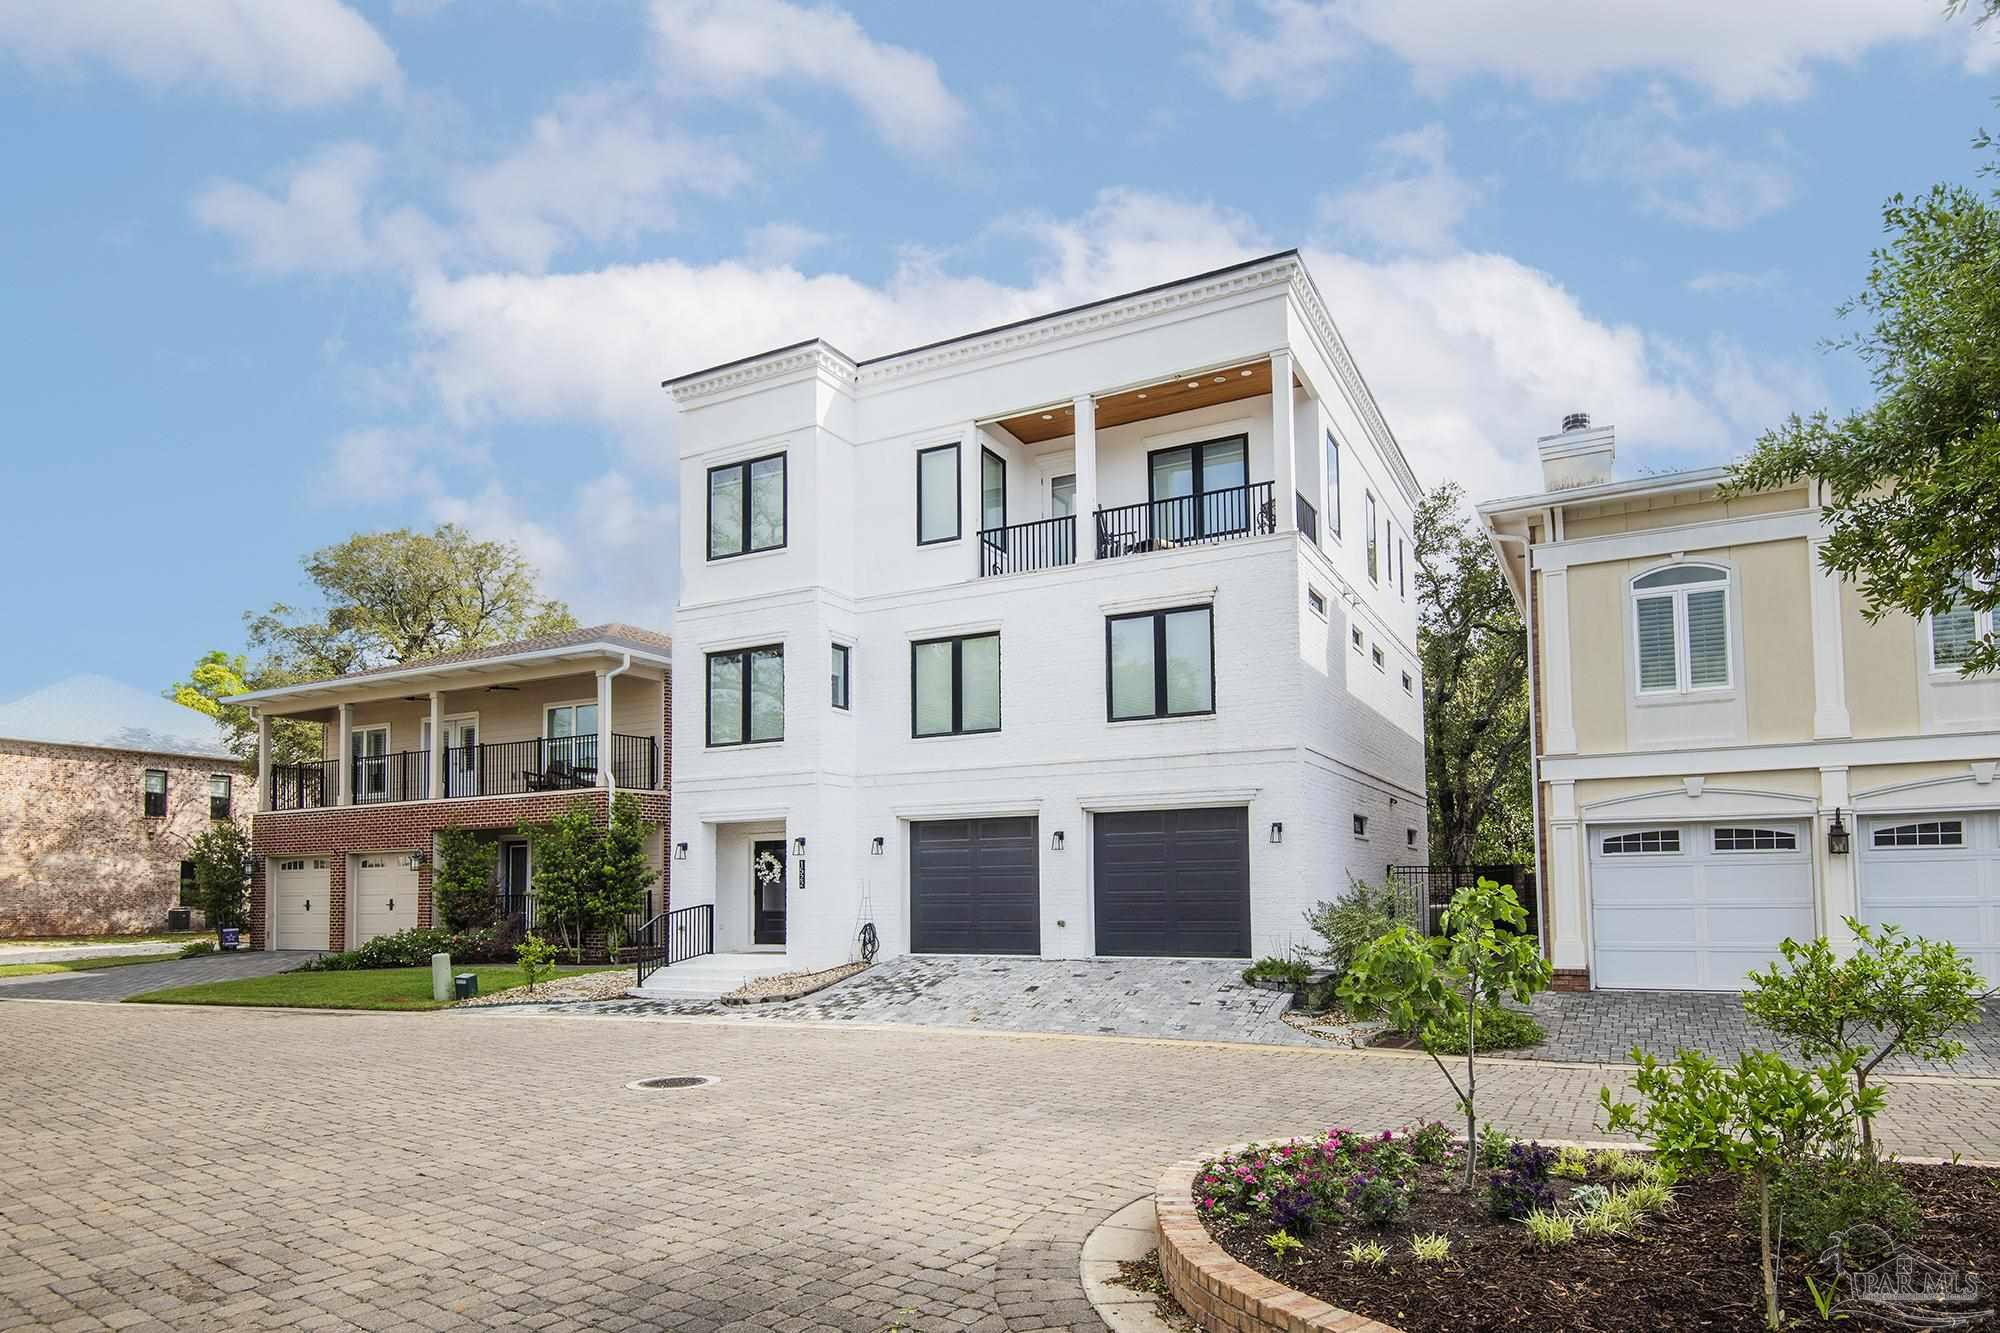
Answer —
(1680, 629)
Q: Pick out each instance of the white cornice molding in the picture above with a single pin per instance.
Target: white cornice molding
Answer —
(1778, 756)
(817, 357)
(1358, 393)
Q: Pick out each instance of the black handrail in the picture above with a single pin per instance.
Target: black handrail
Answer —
(1308, 519)
(1186, 520)
(674, 937)
(1044, 543)
(304, 786)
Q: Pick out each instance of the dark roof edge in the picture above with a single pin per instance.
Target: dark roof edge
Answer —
(754, 356)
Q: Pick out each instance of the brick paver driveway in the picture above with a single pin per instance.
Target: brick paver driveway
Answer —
(225, 1168)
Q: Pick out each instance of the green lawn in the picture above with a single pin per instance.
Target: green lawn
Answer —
(384, 988)
(80, 964)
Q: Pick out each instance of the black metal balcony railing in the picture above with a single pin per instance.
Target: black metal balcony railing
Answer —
(306, 786)
(1186, 520)
(402, 776)
(1043, 544)
(1308, 520)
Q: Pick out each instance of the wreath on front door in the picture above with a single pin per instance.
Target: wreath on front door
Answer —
(770, 870)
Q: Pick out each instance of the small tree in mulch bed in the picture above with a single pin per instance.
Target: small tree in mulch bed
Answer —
(1895, 996)
(1434, 986)
(1762, 1117)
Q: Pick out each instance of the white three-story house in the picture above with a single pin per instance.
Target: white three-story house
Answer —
(1090, 635)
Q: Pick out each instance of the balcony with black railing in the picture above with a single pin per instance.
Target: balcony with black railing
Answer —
(502, 768)
(1186, 520)
(1044, 543)
(305, 786)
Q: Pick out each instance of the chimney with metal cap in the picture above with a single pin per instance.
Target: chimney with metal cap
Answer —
(1577, 455)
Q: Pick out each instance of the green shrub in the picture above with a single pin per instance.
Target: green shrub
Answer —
(1493, 1146)
(1815, 1199)
(1429, 1143)
(413, 948)
(1551, 1229)
(1572, 1163)
(1364, 914)
(462, 884)
(196, 948)
(1497, 1028)
(221, 855)
(538, 959)
(1291, 970)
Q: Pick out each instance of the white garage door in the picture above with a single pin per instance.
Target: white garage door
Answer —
(385, 894)
(1936, 875)
(1696, 906)
(298, 903)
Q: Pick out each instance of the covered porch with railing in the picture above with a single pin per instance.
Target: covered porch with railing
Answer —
(503, 768)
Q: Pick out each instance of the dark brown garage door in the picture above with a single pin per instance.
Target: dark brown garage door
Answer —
(1173, 883)
(975, 886)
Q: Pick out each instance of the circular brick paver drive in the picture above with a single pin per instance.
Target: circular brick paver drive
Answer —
(223, 1168)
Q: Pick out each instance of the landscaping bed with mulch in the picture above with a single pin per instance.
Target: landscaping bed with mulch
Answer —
(1689, 1264)
(790, 985)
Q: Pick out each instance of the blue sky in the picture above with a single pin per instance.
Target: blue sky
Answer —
(277, 273)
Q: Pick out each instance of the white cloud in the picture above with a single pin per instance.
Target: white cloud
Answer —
(1719, 282)
(594, 167)
(1737, 51)
(734, 47)
(376, 464)
(317, 224)
(1415, 203)
(780, 244)
(296, 53)
(1695, 184)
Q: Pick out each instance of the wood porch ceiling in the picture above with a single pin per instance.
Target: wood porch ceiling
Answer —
(1251, 379)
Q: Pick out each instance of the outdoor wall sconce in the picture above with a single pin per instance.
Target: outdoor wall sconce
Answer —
(1055, 841)
(875, 847)
(680, 851)
(798, 847)
(1277, 831)
(1838, 840)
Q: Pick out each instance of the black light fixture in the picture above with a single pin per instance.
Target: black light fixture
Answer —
(1277, 831)
(680, 851)
(875, 847)
(1838, 839)
(1055, 841)
(798, 847)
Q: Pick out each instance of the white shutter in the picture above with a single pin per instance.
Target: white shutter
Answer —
(1708, 638)
(1657, 669)
(1952, 635)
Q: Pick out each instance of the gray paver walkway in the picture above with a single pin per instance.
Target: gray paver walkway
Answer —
(111, 984)
(65, 953)
(1604, 1026)
(1201, 999)
(242, 1169)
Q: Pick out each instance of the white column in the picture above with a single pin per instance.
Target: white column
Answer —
(1569, 938)
(1284, 452)
(1315, 473)
(263, 760)
(603, 729)
(1829, 664)
(969, 473)
(1560, 718)
(1837, 893)
(1086, 477)
(343, 733)
(434, 761)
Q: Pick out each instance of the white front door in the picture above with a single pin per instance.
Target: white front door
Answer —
(384, 893)
(461, 754)
(298, 903)
(1938, 876)
(1696, 906)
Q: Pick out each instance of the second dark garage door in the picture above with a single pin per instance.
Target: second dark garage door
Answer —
(1173, 883)
(975, 886)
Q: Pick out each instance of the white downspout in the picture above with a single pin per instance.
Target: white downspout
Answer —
(1534, 747)
(604, 761)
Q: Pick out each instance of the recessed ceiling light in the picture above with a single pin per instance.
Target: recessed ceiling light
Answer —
(1048, 416)
(1247, 374)
(1194, 384)
(1222, 379)
(1142, 395)
(1068, 410)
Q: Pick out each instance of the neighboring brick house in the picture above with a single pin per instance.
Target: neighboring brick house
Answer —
(345, 848)
(103, 789)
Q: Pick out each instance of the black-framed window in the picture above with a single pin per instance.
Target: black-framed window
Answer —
(156, 793)
(1402, 568)
(218, 796)
(1332, 515)
(1361, 826)
(992, 491)
(747, 504)
(189, 898)
(937, 494)
(1200, 490)
(843, 675)
(955, 685)
(746, 695)
(1160, 663)
(1374, 536)
(1317, 601)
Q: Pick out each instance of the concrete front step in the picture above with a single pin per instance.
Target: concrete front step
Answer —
(711, 975)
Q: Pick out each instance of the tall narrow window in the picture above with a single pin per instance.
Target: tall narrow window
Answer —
(746, 507)
(1402, 569)
(218, 796)
(1680, 621)
(1368, 515)
(937, 494)
(189, 896)
(1332, 484)
(1953, 635)
(156, 793)
(842, 679)
(992, 491)
(1160, 663)
(746, 695)
(955, 685)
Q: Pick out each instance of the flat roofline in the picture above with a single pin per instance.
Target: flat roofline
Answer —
(992, 329)
(1606, 490)
(593, 648)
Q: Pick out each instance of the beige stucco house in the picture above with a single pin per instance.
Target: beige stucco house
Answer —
(103, 790)
(1727, 753)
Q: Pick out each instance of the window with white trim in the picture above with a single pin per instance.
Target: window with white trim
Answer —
(1680, 626)
(1409, 685)
(1929, 833)
(1317, 601)
(1375, 654)
(1361, 826)
(1374, 536)
(1355, 635)
(1652, 841)
(1756, 840)
(1332, 515)
(1955, 633)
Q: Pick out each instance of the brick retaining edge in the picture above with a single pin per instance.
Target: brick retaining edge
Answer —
(1222, 1295)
